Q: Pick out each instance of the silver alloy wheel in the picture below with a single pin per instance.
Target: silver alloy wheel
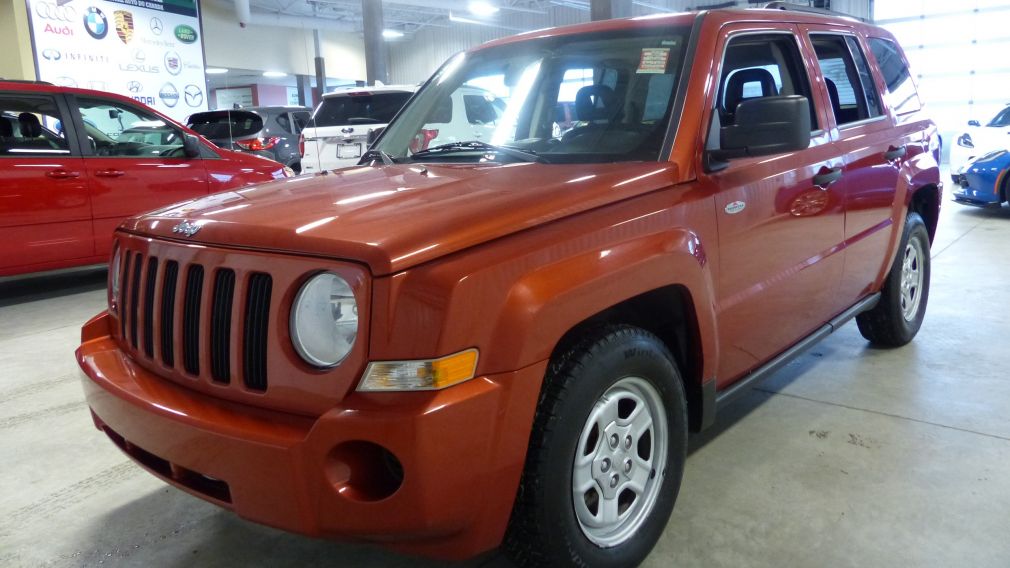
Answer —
(912, 277)
(620, 462)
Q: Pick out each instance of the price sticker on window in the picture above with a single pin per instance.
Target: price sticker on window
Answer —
(653, 60)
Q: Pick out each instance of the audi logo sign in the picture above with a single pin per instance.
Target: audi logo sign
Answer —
(53, 11)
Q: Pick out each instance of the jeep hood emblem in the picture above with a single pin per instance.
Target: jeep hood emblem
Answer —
(186, 228)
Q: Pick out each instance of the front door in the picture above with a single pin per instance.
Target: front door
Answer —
(135, 161)
(45, 210)
(779, 231)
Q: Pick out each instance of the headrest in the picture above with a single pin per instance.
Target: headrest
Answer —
(6, 128)
(734, 89)
(30, 125)
(596, 102)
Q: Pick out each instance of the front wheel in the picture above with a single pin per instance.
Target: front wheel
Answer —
(606, 455)
(898, 316)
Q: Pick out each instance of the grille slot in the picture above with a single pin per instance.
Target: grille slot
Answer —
(220, 325)
(138, 263)
(257, 318)
(149, 282)
(168, 313)
(191, 320)
(124, 284)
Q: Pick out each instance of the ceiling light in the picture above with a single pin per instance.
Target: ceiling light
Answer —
(391, 34)
(482, 8)
(215, 71)
(274, 74)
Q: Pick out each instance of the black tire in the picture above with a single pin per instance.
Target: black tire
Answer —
(886, 325)
(544, 529)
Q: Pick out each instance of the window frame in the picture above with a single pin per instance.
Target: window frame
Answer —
(810, 33)
(82, 133)
(67, 119)
(711, 133)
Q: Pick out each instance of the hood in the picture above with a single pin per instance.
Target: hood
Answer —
(394, 217)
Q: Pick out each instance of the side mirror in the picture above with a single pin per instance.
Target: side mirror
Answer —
(974, 123)
(764, 126)
(191, 146)
(373, 135)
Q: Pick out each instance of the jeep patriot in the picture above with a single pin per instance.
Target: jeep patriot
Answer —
(504, 341)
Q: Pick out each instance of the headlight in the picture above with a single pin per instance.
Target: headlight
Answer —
(430, 374)
(324, 320)
(114, 275)
(965, 141)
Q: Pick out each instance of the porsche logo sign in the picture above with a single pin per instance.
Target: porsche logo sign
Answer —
(124, 25)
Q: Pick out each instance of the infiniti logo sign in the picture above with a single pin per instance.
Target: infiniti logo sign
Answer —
(51, 54)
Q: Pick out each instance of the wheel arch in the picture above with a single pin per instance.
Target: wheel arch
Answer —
(925, 201)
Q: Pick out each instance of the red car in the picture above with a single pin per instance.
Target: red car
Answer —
(74, 163)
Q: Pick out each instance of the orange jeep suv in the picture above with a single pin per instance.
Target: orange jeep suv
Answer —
(505, 340)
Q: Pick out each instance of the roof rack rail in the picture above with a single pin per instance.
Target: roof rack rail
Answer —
(792, 7)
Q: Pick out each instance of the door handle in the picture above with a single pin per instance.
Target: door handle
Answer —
(110, 173)
(826, 177)
(893, 153)
(62, 174)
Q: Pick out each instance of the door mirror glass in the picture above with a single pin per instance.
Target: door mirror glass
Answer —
(190, 146)
(766, 125)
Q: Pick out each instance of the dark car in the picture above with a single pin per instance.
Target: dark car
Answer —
(268, 131)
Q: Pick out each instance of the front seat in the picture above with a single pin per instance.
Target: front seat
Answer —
(29, 125)
(742, 78)
(598, 107)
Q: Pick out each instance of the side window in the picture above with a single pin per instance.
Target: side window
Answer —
(119, 130)
(31, 126)
(847, 78)
(901, 94)
(284, 121)
(301, 121)
(764, 65)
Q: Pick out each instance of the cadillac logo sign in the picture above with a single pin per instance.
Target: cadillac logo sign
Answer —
(186, 228)
(124, 25)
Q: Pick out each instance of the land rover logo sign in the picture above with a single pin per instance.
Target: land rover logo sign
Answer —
(186, 228)
(169, 95)
(185, 34)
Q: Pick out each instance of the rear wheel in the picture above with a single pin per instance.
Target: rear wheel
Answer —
(606, 455)
(898, 316)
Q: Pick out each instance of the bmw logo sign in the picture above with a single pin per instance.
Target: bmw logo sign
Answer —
(169, 95)
(95, 22)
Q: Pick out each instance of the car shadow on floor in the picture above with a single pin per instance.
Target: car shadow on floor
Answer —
(21, 289)
(1001, 212)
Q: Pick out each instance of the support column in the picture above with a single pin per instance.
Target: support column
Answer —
(609, 9)
(376, 55)
(304, 85)
(320, 65)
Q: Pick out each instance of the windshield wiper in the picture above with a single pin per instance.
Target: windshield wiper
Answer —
(371, 155)
(471, 145)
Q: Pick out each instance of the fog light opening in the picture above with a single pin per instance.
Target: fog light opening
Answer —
(364, 471)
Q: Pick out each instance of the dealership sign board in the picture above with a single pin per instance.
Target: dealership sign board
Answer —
(150, 50)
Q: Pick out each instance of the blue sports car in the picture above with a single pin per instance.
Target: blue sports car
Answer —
(984, 180)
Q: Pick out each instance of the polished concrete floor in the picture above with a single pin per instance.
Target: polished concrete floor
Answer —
(851, 456)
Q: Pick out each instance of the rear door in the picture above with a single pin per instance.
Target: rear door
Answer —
(865, 136)
(45, 208)
(135, 174)
(779, 231)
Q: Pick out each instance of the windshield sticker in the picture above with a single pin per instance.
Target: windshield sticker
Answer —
(653, 60)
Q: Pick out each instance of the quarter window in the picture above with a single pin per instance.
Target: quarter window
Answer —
(847, 77)
(31, 126)
(901, 94)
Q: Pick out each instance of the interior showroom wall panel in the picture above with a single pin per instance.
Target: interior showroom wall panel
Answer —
(957, 51)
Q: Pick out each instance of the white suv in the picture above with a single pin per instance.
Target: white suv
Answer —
(337, 135)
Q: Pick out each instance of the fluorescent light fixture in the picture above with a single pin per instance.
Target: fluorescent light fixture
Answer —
(482, 8)
(215, 71)
(274, 74)
(391, 34)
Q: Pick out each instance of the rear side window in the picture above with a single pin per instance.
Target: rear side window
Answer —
(31, 126)
(226, 124)
(901, 94)
(364, 108)
(846, 75)
(301, 120)
(284, 121)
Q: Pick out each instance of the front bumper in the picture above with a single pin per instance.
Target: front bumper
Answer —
(461, 451)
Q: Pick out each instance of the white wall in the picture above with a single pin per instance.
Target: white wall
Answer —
(273, 48)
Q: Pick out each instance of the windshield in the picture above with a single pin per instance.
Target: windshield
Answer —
(599, 97)
(1001, 120)
(359, 108)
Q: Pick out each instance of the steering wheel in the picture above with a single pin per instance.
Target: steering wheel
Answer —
(177, 152)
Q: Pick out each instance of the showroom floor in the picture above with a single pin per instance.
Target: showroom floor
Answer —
(850, 456)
